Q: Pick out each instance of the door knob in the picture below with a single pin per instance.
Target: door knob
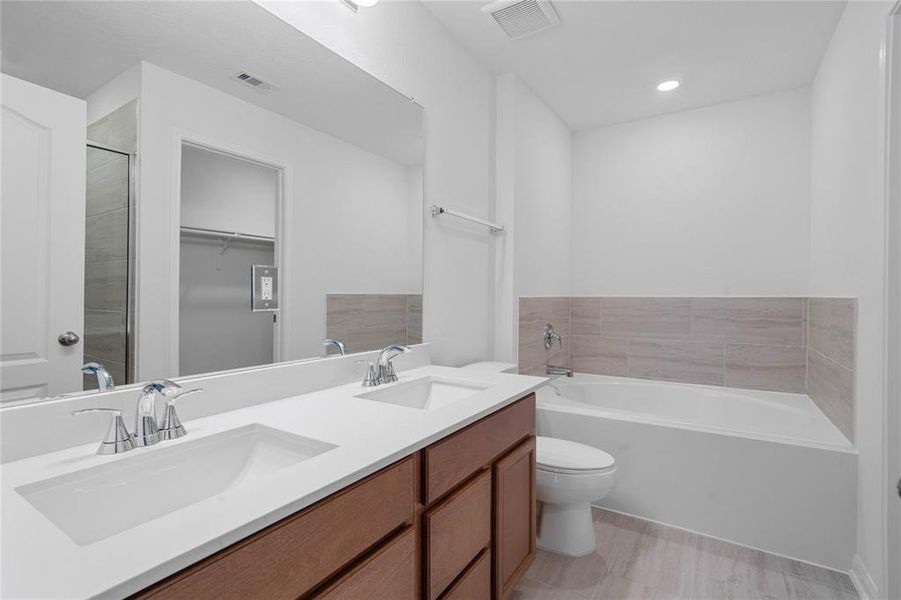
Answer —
(69, 338)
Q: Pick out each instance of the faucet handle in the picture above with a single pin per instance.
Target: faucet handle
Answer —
(372, 378)
(117, 438)
(171, 428)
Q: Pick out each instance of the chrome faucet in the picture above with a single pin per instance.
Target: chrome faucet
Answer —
(104, 379)
(386, 372)
(555, 370)
(551, 336)
(147, 432)
(342, 348)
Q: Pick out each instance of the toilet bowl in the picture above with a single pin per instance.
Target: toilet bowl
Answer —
(569, 477)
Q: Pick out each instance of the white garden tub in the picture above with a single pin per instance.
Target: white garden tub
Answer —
(763, 469)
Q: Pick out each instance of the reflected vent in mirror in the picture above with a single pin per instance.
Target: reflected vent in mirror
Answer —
(520, 18)
(255, 82)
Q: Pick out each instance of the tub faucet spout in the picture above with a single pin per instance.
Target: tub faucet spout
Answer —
(555, 370)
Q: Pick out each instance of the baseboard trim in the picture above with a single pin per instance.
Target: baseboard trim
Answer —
(862, 581)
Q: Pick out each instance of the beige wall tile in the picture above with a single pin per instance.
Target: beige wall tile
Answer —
(831, 387)
(532, 359)
(586, 316)
(775, 368)
(677, 360)
(652, 318)
(777, 321)
(832, 328)
(599, 355)
(534, 315)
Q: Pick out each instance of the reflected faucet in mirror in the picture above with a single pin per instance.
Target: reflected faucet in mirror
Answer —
(104, 379)
(342, 348)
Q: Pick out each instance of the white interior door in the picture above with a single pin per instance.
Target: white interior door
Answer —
(42, 215)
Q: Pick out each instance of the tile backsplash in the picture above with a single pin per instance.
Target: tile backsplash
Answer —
(752, 343)
(372, 321)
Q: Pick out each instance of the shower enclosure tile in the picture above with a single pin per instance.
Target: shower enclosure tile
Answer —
(600, 355)
(681, 361)
(832, 329)
(652, 318)
(831, 386)
(586, 316)
(774, 368)
(775, 321)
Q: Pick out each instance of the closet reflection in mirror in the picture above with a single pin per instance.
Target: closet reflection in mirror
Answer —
(174, 170)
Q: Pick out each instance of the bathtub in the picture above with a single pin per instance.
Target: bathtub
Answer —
(763, 469)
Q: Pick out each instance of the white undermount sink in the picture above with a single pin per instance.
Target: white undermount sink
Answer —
(426, 393)
(98, 502)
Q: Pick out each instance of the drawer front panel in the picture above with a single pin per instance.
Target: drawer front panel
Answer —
(295, 555)
(475, 583)
(455, 458)
(388, 574)
(455, 531)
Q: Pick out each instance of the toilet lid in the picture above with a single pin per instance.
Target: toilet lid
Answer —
(564, 456)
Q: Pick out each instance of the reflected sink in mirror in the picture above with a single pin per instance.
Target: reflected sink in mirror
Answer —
(426, 393)
(96, 503)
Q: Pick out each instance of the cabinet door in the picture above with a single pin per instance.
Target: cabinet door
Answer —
(514, 525)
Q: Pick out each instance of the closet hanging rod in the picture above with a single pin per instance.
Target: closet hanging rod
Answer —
(231, 235)
(440, 210)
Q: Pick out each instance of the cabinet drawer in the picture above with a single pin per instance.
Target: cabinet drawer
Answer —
(453, 459)
(475, 584)
(455, 531)
(291, 557)
(388, 574)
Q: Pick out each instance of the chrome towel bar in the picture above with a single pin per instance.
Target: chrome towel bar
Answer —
(440, 210)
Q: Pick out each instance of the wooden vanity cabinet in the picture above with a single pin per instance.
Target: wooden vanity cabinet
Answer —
(454, 521)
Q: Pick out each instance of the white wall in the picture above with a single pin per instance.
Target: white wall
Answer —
(117, 92)
(847, 236)
(712, 201)
(534, 202)
(404, 46)
(347, 211)
(221, 192)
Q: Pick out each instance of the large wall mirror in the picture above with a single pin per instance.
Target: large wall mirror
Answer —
(191, 187)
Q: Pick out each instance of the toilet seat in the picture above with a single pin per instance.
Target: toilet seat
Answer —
(571, 458)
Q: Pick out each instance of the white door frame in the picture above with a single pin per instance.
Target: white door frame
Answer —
(282, 242)
(892, 432)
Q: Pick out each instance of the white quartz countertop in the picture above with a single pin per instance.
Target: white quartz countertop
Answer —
(38, 560)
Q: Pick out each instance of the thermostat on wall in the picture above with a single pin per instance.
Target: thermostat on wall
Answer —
(263, 288)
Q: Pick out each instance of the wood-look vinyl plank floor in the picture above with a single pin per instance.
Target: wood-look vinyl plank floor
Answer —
(640, 560)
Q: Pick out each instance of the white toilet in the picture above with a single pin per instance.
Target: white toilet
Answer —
(569, 477)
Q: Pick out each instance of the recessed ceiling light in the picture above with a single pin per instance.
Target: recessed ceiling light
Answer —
(668, 85)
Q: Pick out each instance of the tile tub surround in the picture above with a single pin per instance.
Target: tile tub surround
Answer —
(765, 343)
(830, 359)
(372, 321)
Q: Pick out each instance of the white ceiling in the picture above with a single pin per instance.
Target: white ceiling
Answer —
(601, 65)
(77, 46)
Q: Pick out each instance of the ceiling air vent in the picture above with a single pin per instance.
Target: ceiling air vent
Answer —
(519, 18)
(253, 81)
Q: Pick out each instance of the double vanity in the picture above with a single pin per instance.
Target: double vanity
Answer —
(422, 488)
